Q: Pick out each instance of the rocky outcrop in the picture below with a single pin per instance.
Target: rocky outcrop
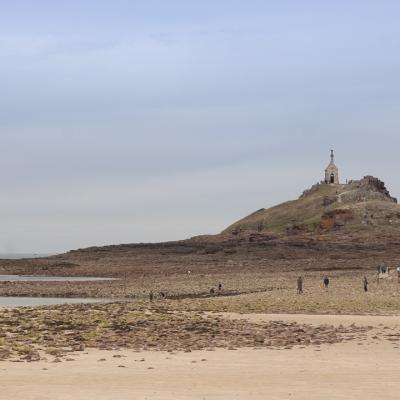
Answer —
(367, 189)
(336, 218)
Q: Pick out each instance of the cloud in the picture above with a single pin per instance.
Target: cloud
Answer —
(147, 121)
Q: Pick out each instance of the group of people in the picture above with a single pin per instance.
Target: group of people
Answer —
(325, 283)
(382, 269)
(163, 295)
(212, 290)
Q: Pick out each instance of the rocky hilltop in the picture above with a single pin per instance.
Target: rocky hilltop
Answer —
(360, 205)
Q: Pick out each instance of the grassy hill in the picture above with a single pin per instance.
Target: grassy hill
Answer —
(359, 205)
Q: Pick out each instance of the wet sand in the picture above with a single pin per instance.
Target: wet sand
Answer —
(350, 370)
(392, 321)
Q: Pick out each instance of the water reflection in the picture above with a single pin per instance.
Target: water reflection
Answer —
(41, 278)
(43, 301)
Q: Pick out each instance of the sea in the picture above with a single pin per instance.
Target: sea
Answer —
(20, 256)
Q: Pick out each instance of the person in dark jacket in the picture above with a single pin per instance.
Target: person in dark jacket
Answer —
(300, 285)
(365, 281)
(326, 282)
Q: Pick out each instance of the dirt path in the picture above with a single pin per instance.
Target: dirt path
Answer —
(349, 370)
(377, 321)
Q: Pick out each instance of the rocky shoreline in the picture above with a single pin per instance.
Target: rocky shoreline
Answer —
(31, 334)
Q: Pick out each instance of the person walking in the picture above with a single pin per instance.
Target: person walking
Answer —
(365, 281)
(384, 268)
(300, 285)
(326, 282)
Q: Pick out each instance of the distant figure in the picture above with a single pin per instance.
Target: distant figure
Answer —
(326, 282)
(380, 272)
(300, 285)
(365, 281)
(398, 274)
(384, 268)
(219, 287)
(212, 291)
(151, 295)
(163, 295)
(189, 272)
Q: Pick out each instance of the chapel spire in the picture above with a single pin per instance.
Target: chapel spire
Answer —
(332, 172)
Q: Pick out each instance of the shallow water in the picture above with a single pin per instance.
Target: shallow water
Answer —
(43, 301)
(41, 278)
(21, 256)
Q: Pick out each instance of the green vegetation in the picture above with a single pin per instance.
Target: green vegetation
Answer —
(367, 205)
(307, 210)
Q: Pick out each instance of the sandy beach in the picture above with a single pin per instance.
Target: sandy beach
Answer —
(349, 370)
(200, 200)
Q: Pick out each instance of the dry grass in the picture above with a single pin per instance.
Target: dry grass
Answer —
(344, 296)
(242, 292)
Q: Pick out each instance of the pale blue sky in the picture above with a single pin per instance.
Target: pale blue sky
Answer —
(131, 121)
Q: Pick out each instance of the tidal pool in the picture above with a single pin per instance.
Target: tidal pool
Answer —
(44, 301)
(42, 278)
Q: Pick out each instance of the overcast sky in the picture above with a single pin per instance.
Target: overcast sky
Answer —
(132, 121)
